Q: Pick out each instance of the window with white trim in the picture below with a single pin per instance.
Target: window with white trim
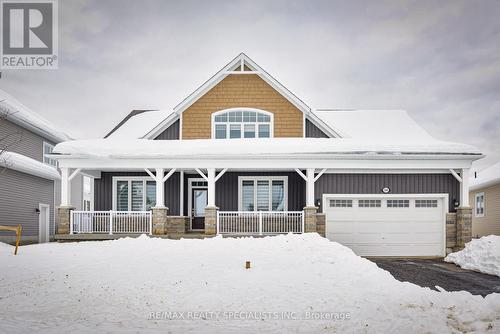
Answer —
(48, 149)
(369, 203)
(398, 203)
(479, 210)
(242, 123)
(263, 193)
(133, 194)
(341, 203)
(426, 203)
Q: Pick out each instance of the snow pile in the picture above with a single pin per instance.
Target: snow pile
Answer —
(151, 285)
(27, 165)
(114, 148)
(481, 255)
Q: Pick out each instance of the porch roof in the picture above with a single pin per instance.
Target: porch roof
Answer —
(248, 148)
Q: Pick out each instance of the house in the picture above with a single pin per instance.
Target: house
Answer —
(485, 197)
(243, 155)
(29, 179)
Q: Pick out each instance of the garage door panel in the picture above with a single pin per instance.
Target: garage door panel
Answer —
(388, 231)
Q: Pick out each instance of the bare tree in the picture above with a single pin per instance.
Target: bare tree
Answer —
(7, 139)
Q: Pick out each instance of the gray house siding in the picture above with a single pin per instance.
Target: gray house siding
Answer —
(31, 144)
(20, 195)
(397, 183)
(312, 131)
(170, 133)
(103, 191)
(226, 190)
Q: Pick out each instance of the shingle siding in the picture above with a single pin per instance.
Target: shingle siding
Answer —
(20, 195)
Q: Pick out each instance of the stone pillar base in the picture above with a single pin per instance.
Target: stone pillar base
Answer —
(63, 219)
(310, 219)
(464, 226)
(320, 224)
(159, 220)
(211, 220)
(451, 231)
(176, 226)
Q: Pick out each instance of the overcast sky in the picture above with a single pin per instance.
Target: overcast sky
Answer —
(439, 60)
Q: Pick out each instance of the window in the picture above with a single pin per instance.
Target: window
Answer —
(426, 203)
(369, 203)
(263, 193)
(398, 203)
(134, 194)
(47, 149)
(341, 203)
(479, 211)
(244, 123)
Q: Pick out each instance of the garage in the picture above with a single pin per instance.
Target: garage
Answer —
(388, 225)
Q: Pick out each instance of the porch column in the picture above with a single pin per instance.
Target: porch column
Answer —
(160, 198)
(464, 212)
(211, 187)
(310, 187)
(464, 188)
(65, 186)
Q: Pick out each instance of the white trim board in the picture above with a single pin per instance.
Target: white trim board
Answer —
(41, 207)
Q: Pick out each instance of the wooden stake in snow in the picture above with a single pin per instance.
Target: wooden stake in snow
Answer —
(247, 265)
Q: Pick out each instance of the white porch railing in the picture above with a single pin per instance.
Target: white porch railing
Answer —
(259, 222)
(111, 222)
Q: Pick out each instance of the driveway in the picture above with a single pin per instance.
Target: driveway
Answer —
(430, 272)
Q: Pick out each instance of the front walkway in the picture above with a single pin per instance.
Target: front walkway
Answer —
(429, 273)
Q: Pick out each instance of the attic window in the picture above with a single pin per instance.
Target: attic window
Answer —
(242, 123)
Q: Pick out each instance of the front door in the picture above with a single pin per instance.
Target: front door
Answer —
(200, 200)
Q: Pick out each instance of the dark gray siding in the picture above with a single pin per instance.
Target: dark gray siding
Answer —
(20, 195)
(170, 133)
(398, 183)
(312, 131)
(226, 190)
(103, 191)
(30, 144)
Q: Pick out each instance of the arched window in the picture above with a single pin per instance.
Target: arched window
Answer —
(242, 123)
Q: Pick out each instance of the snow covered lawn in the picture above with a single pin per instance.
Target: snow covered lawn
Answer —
(481, 255)
(149, 285)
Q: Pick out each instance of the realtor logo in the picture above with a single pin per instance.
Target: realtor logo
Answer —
(29, 34)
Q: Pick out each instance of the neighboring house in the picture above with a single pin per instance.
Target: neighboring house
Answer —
(485, 197)
(242, 155)
(29, 179)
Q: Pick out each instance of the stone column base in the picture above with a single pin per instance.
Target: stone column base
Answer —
(159, 220)
(211, 220)
(176, 226)
(310, 219)
(63, 219)
(320, 224)
(464, 226)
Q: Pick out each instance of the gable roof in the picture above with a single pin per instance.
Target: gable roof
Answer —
(240, 65)
(487, 177)
(21, 115)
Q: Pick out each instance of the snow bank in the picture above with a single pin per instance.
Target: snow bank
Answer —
(106, 148)
(131, 285)
(481, 255)
(27, 165)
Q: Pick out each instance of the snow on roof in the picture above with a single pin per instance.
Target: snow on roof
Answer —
(27, 165)
(487, 177)
(144, 148)
(139, 125)
(387, 125)
(23, 116)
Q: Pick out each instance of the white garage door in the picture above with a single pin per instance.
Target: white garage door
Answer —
(396, 225)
